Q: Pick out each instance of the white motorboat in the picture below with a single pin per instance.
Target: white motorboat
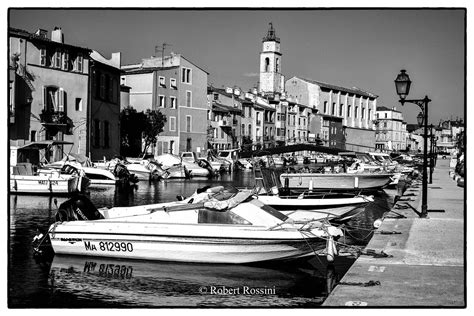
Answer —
(97, 176)
(316, 207)
(233, 230)
(25, 178)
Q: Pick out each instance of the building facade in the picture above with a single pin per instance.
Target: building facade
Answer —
(391, 130)
(178, 88)
(354, 107)
(105, 100)
(50, 90)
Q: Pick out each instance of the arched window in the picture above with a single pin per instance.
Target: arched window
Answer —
(277, 65)
(267, 64)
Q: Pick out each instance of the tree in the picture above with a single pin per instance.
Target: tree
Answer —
(155, 121)
(131, 128)
(137, 128)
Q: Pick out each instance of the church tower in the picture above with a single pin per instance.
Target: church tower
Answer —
(271, 79)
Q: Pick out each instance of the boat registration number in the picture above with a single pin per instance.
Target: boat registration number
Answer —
(53, 182)
(110, 246)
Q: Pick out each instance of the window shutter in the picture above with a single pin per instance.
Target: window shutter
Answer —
(61, 100)
(45, 102)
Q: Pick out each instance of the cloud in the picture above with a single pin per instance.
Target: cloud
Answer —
(251, 74)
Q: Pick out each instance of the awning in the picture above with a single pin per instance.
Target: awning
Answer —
(44, 144)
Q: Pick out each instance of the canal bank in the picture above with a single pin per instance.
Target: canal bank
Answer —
(412, 261)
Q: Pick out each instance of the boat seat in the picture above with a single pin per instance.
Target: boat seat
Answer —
(23, 168)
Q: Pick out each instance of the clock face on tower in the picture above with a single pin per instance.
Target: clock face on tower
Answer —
(267, 46)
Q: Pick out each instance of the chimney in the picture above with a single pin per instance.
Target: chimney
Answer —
(57, 35)
(41, 33)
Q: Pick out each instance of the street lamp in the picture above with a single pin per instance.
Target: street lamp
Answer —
(402, 85)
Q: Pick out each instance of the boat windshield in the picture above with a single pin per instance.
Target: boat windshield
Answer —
(215, 217)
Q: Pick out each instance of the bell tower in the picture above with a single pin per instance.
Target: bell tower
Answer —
(270, 64)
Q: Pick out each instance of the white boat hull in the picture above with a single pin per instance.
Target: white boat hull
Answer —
(274, 200)
(43, 184)
(181, 242)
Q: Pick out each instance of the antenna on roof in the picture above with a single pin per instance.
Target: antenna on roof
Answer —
(162, 50)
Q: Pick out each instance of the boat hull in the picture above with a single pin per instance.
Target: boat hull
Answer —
(198, 243)
(44, 185)
(335, 181)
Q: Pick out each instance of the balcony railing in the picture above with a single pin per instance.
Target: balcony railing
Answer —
(56, 121)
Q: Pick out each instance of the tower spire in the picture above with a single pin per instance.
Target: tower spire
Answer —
(271, 34)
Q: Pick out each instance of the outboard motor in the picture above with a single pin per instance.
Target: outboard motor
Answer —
(123, 174)
(77, 208)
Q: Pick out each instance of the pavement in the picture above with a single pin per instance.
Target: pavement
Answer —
(426, 257)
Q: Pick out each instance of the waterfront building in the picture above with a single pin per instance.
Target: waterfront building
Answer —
(224, 117)
(104, 96)
(391, 130)
(49, 90)
(178, 88)
(354, 107)
(448, 133)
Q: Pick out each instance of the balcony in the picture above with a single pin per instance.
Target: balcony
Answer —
(224, 124)
(56, 121)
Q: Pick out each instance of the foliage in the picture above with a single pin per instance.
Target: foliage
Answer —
(131, 128)
(154, 123)
(137, 128)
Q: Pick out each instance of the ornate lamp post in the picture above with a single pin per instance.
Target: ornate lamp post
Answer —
(402, 85)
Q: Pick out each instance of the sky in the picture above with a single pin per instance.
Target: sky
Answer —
(353, 47)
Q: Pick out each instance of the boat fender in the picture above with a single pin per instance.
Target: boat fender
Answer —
(331, 249)
(378, 222)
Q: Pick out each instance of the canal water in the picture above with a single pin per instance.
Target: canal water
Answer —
(87, 282)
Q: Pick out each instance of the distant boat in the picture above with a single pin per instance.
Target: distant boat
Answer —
(335, 181)
(232, 230)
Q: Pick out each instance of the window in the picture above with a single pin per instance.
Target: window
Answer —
(33, 136)
(267, 64)
(333, 112)
(172, 123)
(173, 83)
(356, 110)
(43, 56)
(173, 102)
(102, 86)
(341, 107)
(57, 59)
(79, 63)
(65, 65)
(188, 123)
(216, 96)
(242, 129)
(325, 107)
(114, 90)
(78, 104)
(222, 133)
(250, 130)
(50, 98)
(385, 115)
(106, 134)
(363, 112)
(186, 75)
(161, 101)
(110, 89)
(96, 133)
(171, 146)
(165, 148)
(188, 99)
(162, 81)
(277, 65)
(349, 110)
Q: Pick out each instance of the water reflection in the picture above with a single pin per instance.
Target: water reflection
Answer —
(71, 282)
(151, 284)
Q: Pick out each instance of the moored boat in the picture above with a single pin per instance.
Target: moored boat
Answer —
(234, 230)
(335, 181)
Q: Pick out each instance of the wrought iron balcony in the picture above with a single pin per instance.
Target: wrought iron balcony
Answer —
(56, 121)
